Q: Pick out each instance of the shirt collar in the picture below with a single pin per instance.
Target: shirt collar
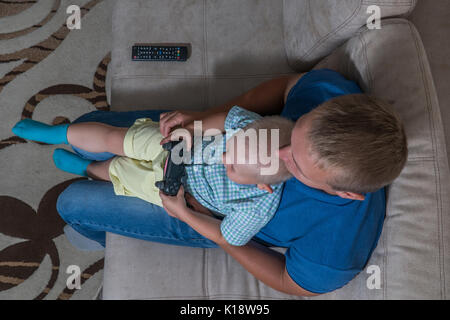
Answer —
(317, 194)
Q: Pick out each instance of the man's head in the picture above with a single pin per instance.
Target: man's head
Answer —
(347, 146)
(251, 154)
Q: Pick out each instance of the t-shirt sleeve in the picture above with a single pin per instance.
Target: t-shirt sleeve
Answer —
(313, 89)
(239, 118)
(315, 277)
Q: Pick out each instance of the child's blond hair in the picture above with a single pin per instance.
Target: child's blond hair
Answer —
(284, 127)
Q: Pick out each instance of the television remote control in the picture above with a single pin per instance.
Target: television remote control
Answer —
(160, 52)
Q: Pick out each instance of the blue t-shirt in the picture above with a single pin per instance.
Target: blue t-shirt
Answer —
(328, 239)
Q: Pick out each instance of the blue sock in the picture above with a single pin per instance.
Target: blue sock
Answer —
(38, 131)
(70, 162)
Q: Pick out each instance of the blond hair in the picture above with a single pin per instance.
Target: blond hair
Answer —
(361, 139)
(285, 127)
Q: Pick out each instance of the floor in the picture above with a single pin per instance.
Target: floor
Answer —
(51, 74)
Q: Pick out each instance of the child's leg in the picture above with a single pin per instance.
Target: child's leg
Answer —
(89, 136)
(42, 132)
(71, 162)
(97, 137)
(99, 170)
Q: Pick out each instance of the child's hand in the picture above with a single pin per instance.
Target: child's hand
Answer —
(170, 120)
(195, 205)
(175, 135)
(266, 187)
(175, 206)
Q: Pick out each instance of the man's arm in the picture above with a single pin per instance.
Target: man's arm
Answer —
(263, 263)
(268, 98)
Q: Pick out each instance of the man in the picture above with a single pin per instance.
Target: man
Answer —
(345, 148)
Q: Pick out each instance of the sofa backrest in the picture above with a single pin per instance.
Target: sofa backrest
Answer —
(314, 28)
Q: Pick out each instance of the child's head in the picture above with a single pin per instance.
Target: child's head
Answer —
(251, 155)
(350, 145)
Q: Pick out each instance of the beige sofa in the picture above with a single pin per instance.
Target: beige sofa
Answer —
(238, 44)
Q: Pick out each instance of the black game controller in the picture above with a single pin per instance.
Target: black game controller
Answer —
(174, 174)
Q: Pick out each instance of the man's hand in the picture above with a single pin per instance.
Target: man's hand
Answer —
(175, 206)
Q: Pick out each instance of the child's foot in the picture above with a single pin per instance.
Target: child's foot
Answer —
(38, 131)
(70, 162)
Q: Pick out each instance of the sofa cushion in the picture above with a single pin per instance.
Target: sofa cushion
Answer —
(136, 269)
(235, 46)
(314, 28)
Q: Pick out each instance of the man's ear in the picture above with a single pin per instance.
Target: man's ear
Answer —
(350, 195)
(266, 187)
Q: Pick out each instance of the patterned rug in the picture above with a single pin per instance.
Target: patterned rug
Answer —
(51, 74)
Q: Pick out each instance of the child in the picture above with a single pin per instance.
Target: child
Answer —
(233, 186)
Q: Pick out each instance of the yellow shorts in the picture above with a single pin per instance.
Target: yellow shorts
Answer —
(135, 174)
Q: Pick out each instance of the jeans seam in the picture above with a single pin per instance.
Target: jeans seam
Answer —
(79, 223)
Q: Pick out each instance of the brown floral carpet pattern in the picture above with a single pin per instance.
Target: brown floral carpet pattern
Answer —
(51, 74)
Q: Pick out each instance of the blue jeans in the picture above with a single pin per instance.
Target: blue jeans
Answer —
(92, 208)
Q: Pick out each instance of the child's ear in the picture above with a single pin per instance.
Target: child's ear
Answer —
(266, 187)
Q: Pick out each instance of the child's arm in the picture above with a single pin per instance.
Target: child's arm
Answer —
(212, 121)
(195, 205)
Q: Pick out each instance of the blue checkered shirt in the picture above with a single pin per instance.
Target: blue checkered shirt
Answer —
(246, 209)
